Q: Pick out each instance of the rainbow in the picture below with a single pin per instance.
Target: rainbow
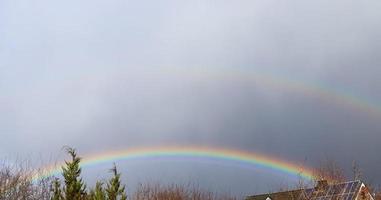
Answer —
(317, 90)
(268, 80)
(223, 154)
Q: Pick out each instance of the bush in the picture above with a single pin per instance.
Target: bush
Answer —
(175, 192)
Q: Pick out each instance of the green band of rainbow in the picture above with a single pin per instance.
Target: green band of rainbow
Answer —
(223, 154)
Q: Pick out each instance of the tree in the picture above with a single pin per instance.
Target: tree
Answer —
(74, 188)
(356, 171)
(56, 190)
(114, 188)
(330, 171)
(98, 193)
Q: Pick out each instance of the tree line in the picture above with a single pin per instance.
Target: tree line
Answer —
(16, 183)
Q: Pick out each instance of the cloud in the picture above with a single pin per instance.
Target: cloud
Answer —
(127, 73)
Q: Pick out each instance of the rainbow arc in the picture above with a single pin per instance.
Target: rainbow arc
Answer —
(223, 154)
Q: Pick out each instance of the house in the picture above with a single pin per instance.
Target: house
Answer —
(352, 190)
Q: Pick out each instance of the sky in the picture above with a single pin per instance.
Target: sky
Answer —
(297, 80)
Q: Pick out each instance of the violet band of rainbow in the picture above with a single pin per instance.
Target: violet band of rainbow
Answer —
(223, 154)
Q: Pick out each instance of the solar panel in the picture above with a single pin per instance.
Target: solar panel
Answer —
(349, 188)
(342, 191)
(356, 187)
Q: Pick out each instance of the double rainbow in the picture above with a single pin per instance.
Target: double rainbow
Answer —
(194, 152)
(316, 90)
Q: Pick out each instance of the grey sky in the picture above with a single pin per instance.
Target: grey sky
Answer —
(100, 75)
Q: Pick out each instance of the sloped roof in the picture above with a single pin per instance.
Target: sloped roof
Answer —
(292, 194)
(345, 190)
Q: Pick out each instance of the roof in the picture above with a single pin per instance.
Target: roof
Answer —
(346, 190)
(292, 194)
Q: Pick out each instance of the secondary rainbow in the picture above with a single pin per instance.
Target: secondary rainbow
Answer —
(268, 80)
(193, 152)
(338, 96)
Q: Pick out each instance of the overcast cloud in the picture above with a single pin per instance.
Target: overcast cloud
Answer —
(102, 75)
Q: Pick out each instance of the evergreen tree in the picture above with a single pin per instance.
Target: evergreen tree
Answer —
(98, 193)
(114, 188)
(74, 188)
(57, 193)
